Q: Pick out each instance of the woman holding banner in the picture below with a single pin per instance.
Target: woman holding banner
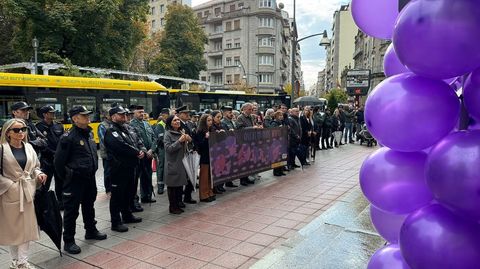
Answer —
(175, 143)
(201, 141)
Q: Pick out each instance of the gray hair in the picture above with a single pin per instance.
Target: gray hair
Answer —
(246, 105)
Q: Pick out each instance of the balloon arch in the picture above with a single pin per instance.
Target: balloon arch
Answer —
(424, 184)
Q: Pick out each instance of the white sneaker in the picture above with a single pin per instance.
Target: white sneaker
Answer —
(26, 265)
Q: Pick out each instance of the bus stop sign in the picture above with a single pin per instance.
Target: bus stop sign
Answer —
(358, 82)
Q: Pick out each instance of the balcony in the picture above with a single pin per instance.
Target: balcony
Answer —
(266, 50)
(215, 69)
(266, 31)
(235, 14)
(215, 53)
(217, 35)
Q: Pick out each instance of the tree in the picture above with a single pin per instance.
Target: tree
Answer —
(89, 33)
(145, 52)
(182, 45)
(335, 97)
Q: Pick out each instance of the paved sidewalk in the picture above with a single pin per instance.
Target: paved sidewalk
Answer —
(237, 230)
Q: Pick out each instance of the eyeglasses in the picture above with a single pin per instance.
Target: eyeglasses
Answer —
(17, 130)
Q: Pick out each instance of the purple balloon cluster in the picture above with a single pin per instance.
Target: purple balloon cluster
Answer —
(424, 184)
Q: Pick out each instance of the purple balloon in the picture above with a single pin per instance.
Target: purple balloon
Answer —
(375, 17)
(391, 64)
(453, 173)
(439, 39)
(388, 257)
(387, 224)
(410, 113)
(434, 237)
(471, 94)
(394, 181)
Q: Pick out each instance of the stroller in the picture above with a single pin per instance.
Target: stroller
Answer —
(364, 136)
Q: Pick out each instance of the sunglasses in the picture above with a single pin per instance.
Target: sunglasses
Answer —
(17, 130)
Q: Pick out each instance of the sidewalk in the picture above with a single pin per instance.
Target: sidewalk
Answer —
(240, 228)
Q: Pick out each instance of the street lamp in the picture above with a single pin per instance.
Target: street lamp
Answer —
(35, 47)
(325, 42)
(244, 73)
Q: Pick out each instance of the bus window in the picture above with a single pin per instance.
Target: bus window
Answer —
(48, 101)
(146, 102)
(89, 102)
(225, 102)
(107, 103)
(5, 103)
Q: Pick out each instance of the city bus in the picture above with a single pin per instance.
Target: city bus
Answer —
(96, 94)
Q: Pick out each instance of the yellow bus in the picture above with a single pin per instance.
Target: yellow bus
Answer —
(96, 94)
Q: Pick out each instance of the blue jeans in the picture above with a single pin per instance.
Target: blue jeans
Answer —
(348, 131)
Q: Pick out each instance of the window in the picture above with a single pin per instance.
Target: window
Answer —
(88, 102)
(228, 79)
(265, 78)
(217, 11)
(236, 24)
(228, 61)
(162, 8)
(228, 26)
(146, 102)
(237, 43)
(236, 61)
(232, 8)
(228, 43)
(206, 13)
(240, 5)
(153, 24)
(217, 28)
(199, 14)
(265, 60)
(162, 21)
(217, 46)
(152, 11)
(218, 62)
(266, 22)
(204, 78)
(236, 79)
(266, 3)
(265, 42)
(217, 79)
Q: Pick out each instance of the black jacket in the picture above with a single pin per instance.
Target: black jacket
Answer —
(76, 153)
(122, 150)
(306, 127)
(295, 131)
(53, 133)
(202, 146)
(35, 137)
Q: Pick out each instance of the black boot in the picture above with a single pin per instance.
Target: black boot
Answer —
(95, 234)
(173, 201)
(72, 248)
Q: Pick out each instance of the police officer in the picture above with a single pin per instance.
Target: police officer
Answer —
(123, 156)
(145, 132)
(134, 199)
(76, 162)
(52, 131)
(159, 130)
(21, 110)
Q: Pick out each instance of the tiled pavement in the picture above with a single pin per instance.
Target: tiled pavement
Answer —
(237, 230)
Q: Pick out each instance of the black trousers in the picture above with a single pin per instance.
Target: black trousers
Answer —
(188, 191)
(122, 188)
(145, 172)
(49, 170)
(79, 190)
(107, 182)
(174, 196)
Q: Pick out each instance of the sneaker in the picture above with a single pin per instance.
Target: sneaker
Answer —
(25, 265)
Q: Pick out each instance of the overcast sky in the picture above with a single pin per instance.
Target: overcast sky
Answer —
(313, 16)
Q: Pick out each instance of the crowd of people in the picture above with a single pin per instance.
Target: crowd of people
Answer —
(33, 154)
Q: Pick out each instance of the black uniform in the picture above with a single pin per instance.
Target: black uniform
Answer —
(122, 155)
(76, 162)
(35, 137)
(52, 132)
(134, 200)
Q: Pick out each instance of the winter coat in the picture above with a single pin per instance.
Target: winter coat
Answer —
(174, 171)
(18, 223)
(244, 121)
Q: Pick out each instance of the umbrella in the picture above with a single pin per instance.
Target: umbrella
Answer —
(191, 161)
(48, 215)
(309, 101)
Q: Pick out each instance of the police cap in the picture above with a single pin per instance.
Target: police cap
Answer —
(20, 105)
(165, 111)
(226, 108)
(79, 110)
(46, 109)
(117, 110)
(182, 109)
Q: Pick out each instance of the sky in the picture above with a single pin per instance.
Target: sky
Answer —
(312, 16)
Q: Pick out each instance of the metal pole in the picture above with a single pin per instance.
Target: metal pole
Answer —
(35, 46)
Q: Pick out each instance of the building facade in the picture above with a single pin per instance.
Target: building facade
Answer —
(342, 46)
(158, 9)
(248, 45)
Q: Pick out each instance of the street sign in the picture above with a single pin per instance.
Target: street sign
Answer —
(358, 82)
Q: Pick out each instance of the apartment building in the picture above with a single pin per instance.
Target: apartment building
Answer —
(342, 46)
(158, 9)
(248, 44)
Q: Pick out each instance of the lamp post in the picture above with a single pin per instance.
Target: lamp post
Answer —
(35, 47)
(244, 73)
(323, 42)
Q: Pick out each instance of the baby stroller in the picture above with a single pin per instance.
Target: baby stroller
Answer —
(366, 137)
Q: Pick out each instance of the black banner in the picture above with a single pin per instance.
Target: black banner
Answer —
(241, 153)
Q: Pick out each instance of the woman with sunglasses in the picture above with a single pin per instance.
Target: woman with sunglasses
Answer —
(19, 177)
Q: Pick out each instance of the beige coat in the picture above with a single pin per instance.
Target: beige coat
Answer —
(18, 223)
